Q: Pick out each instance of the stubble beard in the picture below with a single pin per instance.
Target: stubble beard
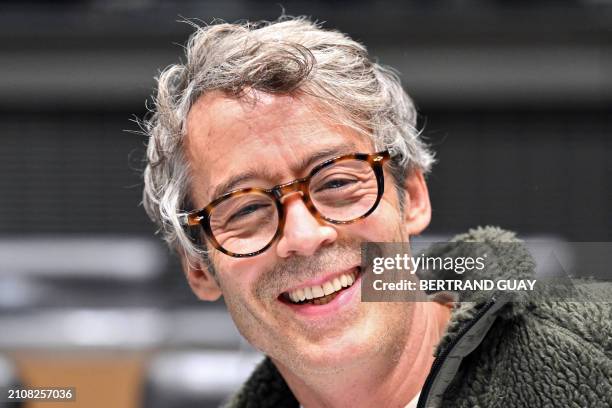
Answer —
(282, 347)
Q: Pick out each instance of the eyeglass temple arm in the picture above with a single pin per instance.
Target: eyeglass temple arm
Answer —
(192, 228)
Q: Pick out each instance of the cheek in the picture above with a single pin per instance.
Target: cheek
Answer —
(250, 314)
(238, 275)
(383, 225)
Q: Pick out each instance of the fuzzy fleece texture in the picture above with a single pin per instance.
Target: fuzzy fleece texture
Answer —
(538, 353)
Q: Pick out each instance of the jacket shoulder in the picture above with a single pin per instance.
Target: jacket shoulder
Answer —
(556, 353)
(265, 388)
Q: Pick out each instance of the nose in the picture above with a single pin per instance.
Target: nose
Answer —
(302, 234)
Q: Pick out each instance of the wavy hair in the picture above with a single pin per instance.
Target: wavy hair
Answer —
(288, 56)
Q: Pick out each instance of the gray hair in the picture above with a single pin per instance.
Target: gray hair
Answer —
(289, 56)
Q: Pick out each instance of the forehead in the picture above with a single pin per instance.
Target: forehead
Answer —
(269, 140)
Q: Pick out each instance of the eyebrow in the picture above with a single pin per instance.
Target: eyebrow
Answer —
(318, 156)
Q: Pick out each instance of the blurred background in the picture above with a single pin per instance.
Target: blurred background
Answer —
(514, 96)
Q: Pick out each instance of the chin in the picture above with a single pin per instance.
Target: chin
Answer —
(333, 353)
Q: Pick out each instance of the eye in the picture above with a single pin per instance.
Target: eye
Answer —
(247, 210)
(335, 184)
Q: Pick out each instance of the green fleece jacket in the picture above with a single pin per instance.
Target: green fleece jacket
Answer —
(501, 350)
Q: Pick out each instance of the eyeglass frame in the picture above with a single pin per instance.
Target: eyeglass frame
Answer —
(195, 220)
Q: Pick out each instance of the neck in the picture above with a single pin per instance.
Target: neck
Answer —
(390, 380)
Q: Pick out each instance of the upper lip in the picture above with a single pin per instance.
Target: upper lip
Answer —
(321, 279)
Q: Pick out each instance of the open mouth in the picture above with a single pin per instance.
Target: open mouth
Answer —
(323, 293)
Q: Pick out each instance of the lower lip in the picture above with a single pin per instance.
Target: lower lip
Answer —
(341, 300)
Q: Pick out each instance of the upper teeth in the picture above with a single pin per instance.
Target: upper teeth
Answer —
(318, 291)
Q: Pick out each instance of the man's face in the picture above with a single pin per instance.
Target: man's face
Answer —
(276, 140)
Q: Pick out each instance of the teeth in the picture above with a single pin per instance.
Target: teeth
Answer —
(337, 285)
(328, 288)
(301, 295)
(308, 293)
(319, 291)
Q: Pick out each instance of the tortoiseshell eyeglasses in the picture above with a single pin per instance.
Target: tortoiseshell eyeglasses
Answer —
(247, 221)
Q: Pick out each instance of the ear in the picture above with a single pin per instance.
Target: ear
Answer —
(201, 280)
(417, 207)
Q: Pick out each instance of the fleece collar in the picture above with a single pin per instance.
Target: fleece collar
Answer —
(507, 259)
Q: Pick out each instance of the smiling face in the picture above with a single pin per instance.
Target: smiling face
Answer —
(273, 141)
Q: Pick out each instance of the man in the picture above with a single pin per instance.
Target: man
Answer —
(275, 151)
